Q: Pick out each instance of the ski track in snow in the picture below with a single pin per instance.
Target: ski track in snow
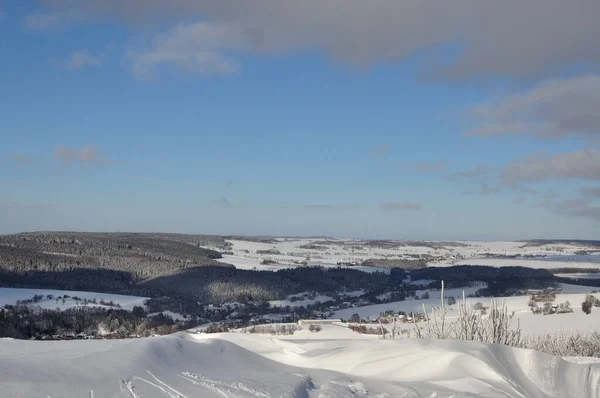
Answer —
(196, 378)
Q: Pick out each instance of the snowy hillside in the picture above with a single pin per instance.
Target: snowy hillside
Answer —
(236, 365)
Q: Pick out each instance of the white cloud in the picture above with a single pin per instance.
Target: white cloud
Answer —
(591, 192)
(591, 212)
(508, 37)
(198, 47)
(86, 155)
(482, 179)
(584, 164)
(80, 59)
(551, 110)
(574, 207)
(391, 206)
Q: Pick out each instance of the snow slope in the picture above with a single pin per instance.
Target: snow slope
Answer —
(237, 365)
(10, 296)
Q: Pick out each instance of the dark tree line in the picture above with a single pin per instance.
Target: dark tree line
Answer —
(389, 263)
(480, 273)
(219, 284)
(501, 281)
(26, 322)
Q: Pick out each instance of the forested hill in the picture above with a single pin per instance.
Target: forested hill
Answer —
(106, 261)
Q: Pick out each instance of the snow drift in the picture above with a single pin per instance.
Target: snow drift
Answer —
(238, 365)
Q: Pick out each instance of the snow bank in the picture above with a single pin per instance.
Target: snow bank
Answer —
(237, 365)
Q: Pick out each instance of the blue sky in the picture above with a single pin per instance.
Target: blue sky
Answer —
(210, 117)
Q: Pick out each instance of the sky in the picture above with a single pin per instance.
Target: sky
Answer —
(398, 119)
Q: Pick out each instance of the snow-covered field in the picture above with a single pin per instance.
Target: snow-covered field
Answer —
(237, 365)
(10, 296)
(537, 263)
(287, 252)
(250, 263)
(529, 323)
(594, 275)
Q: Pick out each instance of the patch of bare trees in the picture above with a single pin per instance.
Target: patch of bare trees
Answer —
(26, 321)
(494, 327)
(565, 343)
(279, 330)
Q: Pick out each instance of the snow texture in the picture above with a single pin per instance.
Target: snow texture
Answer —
(238, 365)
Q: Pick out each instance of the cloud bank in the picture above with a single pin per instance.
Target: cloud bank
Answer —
(552, 110)
(584, 165)
(492, 38)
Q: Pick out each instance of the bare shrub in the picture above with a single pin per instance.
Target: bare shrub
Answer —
(362, 329)
(565, 343)
(216, 328)
(471, 324)
(435, 324)
(315, 328)
(281, 330)
(496, 327)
